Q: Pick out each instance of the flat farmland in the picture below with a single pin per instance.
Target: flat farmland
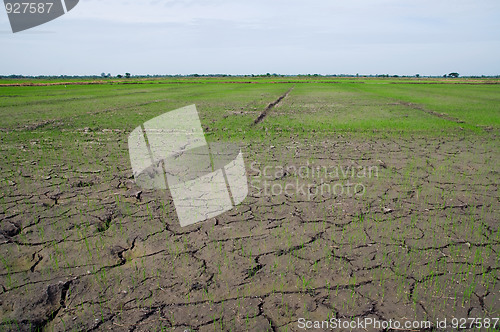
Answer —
(368, 199)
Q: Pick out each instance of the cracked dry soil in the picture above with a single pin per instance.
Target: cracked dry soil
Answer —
(84, 249)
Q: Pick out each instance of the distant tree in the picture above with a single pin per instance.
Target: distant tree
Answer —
(127, 75)
(119, 76)
(103, 75)
(454, 75)
(268, 74)
(109, 75)
(417, 75)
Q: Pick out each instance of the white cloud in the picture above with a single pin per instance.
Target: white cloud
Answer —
(170, 11)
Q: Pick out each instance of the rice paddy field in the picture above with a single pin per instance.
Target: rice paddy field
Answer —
(369, 200)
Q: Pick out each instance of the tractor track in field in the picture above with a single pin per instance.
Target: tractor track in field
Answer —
(271, 106)
(433, 113)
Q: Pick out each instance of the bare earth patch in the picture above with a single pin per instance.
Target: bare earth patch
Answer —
(84, 249)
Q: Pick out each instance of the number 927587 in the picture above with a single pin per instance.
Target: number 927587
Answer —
(29, 7)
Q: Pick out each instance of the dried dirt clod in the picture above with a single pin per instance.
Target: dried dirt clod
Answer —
(129, 184)
(82, 183)
(47, 202)
(44, 308)
(11, 229)
(55, 196)
(137, 194)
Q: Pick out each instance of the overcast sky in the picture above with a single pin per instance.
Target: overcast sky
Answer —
(405, 37)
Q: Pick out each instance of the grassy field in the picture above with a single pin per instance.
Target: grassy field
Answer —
(392, 212)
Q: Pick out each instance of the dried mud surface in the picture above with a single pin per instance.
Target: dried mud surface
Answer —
(85, 249)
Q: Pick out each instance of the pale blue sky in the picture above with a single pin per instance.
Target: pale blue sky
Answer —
(405, 37)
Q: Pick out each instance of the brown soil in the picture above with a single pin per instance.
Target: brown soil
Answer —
(85, 249)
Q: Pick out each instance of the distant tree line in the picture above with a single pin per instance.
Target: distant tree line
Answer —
(129, 75)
